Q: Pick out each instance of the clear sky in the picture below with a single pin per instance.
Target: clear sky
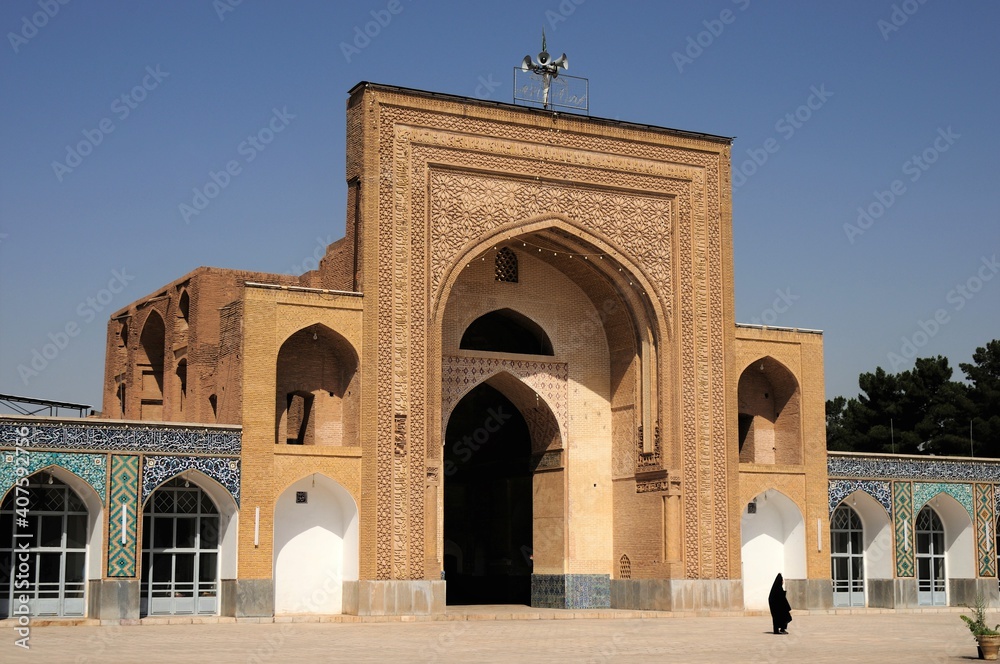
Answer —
(113, 113)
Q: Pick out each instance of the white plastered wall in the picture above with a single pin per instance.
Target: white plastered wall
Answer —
(773, 542)
(316, 547)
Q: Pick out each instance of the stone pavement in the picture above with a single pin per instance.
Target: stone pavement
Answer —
(477, 636)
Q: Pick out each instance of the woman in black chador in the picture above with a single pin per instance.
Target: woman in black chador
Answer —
(781, 611)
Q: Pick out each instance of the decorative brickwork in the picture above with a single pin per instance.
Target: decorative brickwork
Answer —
(550, 380)
(660, 190)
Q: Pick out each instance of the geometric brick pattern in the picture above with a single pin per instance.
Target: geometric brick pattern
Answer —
(985, 523)
(124, 498)
(902, 515)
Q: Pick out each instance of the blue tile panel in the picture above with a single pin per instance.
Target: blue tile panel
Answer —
(122, 541)
(571, 591)
(91, 468)
(924, 491)
(880, 490)
(886, 467)
(85, 435)
(902, 519)
(158, 469)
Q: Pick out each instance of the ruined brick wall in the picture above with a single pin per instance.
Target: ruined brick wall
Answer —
(197, 379)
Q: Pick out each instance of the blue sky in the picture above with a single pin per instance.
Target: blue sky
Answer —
(890, 107)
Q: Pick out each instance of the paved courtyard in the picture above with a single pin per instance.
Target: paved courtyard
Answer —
(875, 637)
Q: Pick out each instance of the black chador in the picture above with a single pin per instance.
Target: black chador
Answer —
(781, 611)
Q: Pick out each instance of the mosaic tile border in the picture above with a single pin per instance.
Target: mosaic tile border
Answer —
(902, 518)
(122, 437)
(985, 525)
(158, 469)
(885, 467)
(925, 491)
(91, 468)
(571, 591)
(124, 490)
(880, 490)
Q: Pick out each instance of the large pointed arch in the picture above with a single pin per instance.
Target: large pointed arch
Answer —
(547, 430)
(878, 534)
(569, 236)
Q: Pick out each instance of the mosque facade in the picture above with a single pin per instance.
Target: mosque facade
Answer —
(517, 379)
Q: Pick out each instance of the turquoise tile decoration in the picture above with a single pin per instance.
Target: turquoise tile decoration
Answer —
(91, 468)
(924, 491)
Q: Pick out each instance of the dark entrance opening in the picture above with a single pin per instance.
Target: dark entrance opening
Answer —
(487, 501)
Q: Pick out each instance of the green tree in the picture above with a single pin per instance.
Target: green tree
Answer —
(922, 410)
(983, 375)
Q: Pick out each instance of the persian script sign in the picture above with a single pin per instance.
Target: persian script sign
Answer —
(551, 91)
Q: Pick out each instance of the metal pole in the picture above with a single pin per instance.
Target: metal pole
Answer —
(892, 436)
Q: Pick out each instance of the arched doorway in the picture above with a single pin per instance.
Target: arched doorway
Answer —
(57, 532)
(315, 546)
(487, 501)
(182, 533)
(773, 541)
(847, 564)
(931, 576)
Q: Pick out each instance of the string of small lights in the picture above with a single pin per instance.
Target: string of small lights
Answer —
(534, 248)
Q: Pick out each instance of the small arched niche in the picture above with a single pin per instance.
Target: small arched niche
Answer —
(506, 331)
(150, 364)
(769, 414)
(317, 390)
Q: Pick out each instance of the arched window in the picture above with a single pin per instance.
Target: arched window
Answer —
(847, 557)
(506, 331)
(183, 308)
(930, 558)
(505, 266)
(150, 362)
(56, 536)
(182, 377)
(624, 567)
(180, 551)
